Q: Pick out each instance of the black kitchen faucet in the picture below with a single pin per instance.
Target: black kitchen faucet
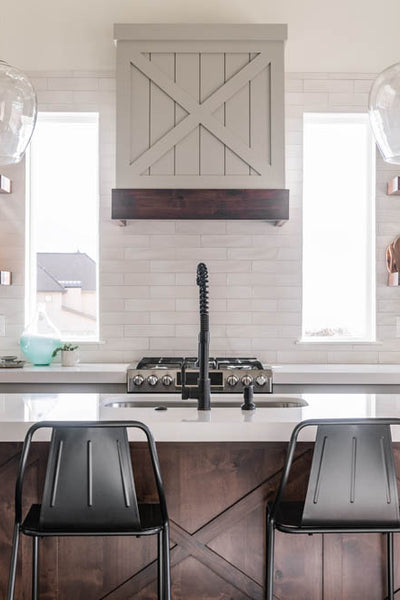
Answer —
(203, 389)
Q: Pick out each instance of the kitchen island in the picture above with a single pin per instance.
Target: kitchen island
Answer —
(219, 469)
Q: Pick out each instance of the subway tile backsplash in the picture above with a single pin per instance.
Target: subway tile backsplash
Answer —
(148, 297)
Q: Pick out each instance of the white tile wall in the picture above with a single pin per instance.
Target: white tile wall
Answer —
(148, 297)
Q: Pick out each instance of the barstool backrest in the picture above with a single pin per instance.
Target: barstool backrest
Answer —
(352, 478)
(89, 480)
(89, 483)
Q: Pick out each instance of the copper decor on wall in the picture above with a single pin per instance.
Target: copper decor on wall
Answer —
(393, 262)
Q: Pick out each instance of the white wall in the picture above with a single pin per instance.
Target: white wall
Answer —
(147, 292)
(148, 296)
(324, 35)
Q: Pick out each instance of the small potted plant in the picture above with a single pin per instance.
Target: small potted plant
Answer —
(69, 354)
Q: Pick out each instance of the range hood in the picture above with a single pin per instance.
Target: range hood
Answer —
(200, 122)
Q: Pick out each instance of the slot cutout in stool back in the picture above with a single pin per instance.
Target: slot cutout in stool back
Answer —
(89, 481)
(352, 479)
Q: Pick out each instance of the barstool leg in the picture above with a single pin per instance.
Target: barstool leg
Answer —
(166, 564)
(160, 567)
(35, 567)
(390, 566)
(13, 564)
(269, 585)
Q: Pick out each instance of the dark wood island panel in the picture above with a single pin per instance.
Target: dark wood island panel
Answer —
(216, 495)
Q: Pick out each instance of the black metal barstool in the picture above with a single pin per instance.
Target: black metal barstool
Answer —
(89, 490)
(352, 487)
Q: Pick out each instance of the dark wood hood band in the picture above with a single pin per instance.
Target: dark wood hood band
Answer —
(266, 205)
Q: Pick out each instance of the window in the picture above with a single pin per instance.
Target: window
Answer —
(62, 222)
(338, 228)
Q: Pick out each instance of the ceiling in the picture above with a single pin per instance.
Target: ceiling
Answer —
(324, 35)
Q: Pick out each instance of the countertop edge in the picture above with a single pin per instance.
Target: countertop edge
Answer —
(115, 373)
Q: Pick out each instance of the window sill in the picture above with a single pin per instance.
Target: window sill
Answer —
(83, 342)
(337, 342)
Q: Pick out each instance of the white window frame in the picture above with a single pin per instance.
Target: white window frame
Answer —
(30, 245)
(370, 250)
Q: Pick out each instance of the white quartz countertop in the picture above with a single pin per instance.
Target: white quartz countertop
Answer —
(339, 374)
(185, 424)
(81, 373)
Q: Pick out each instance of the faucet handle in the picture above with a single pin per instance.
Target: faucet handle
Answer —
(248, 393)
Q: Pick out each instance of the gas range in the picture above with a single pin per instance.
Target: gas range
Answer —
(228, 375)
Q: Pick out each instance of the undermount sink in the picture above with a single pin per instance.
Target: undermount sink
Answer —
(272, 402)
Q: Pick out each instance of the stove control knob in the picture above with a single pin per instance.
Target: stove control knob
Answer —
(138, 380)
(232, 380)
(247, 380)
(152, 380)
(167, 380)
(261, 380)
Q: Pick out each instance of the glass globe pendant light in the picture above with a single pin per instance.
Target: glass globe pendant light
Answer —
(384, 113)
(18, 109)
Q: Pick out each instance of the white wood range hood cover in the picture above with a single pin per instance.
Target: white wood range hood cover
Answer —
(200, 106)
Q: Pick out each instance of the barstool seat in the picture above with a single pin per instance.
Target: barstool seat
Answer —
(289, 516)
(150, 520)
(289, 520)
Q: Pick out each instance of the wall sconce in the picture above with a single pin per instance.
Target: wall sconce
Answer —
(5, 278)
